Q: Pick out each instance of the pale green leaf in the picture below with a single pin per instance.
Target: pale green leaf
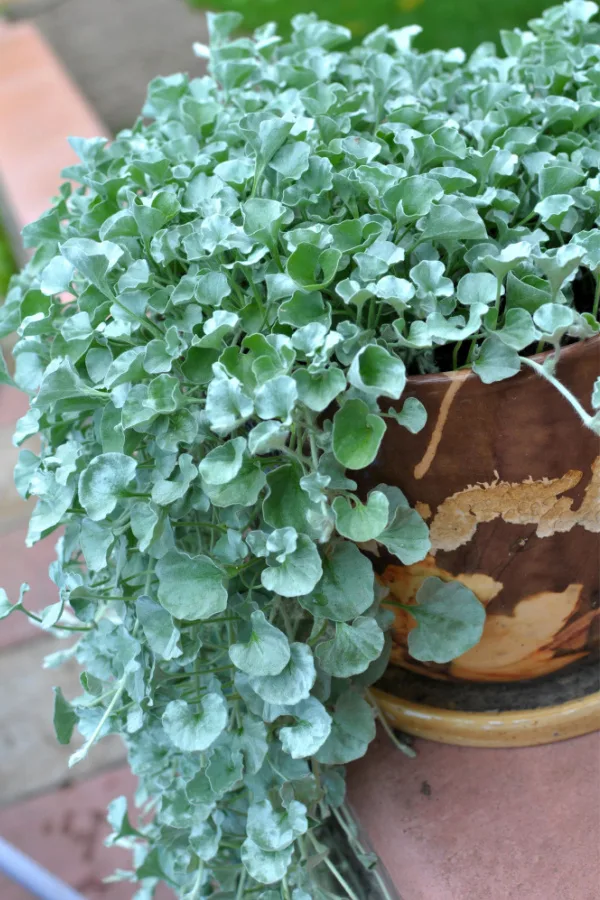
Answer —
(266, 437)
(353, 648)
(266, 867)
(297, 574)
(96, 540)
(406, 535)
(412, 416)
(193, 731)
(450, 621)
(158, 627)
(265, 652)
(377, 372)
(477, 288)
(275, 829)
(553, 320)
(243, 490)
(65, 718)
(357, 434)
(318, 390)
(344, 565)
(104, 483)
(286, 504)
(361, 522)
(352, 731)
(190, 587)
(222, 464)
(275, 399)
(496, 361)
(293, 683)
(311, 728)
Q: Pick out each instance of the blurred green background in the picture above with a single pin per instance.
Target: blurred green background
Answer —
(7, 265)
(446, 23)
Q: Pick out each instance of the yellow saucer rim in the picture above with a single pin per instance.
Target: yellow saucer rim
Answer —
(513, 728)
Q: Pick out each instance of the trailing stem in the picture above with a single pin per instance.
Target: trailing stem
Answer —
(592, 422)
(400, 745)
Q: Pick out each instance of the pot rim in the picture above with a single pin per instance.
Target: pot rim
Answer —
(468, 375)
(518, 728)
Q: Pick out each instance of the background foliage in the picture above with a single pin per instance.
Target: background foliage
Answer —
(445, 23)
(7, 265)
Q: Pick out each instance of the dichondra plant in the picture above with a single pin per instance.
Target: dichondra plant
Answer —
(215, 331)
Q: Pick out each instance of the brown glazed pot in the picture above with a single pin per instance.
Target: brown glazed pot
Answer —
(508, 480)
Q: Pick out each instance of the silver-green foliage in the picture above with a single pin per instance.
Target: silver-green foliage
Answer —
(250, 273)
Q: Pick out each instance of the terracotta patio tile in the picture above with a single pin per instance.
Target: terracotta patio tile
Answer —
(31, 759)
(64, 832)
(14, 511)
(19, 563)
(465, 824)
(39, 107)
(13, 405)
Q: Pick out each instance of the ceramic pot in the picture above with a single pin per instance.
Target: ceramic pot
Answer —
(508, 480)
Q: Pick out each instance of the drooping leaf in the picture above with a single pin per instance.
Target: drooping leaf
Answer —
(190, 587)
(222, 464)
(377, 372)
(298, 573)
(225, 769)
(406, 534)
(357, 434)
(266, 652)
(331, 599)
(352, 731)
(275, 829)
(96, 540)
(162, 635)
(104, 483)
(286, 503)
(195, 731)
(353, 648)
(496, 360)
(361, 522)
(65, 718)
(450, 621)
(253, 270)
(293, 683)
(265, 866)
(413, 415)
(311, 728)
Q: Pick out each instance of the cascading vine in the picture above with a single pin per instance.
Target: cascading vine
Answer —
(215, 331)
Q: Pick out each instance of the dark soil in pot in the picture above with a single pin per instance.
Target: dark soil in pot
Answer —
(561, 687)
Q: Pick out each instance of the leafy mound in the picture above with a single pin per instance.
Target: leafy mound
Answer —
(214, 330)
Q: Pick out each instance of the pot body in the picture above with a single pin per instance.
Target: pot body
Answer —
(508, 480)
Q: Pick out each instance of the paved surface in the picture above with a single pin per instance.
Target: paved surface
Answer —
(53, 814)
(466, 824)
(31, 759)
(113, 48)
(65, 831)
(39, 108)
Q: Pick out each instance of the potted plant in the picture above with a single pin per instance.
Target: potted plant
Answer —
(244, 332)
